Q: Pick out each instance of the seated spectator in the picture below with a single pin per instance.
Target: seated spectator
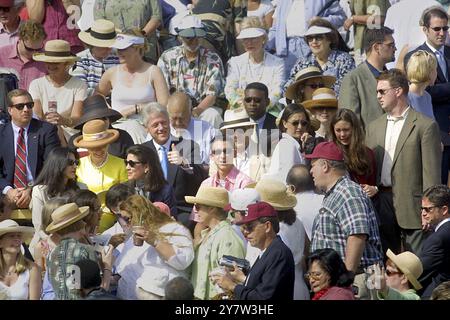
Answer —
(58, 96)
(323, 106)
(20, 278)
(179, 288)
(114, 196)
(195, 70)
(172, 12)
(441, 292)
(9, 21)
(254, 65)
(263, 9)
(328, 277)
(97, 58)
(87, 198)
(91, 280)
(133, 83)
(18, 55)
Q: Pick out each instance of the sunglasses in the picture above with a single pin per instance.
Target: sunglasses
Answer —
(428, 209)
(218, 152)
(249, 227)
(31, 49)
(20, 106)
(318, 37)
(250, 99)
(304, 123)
(390, 273)
(313, 275)
(315, 85)
(5, 9)
(384, 91)
(72, 162)
(438, 29)
(131, 163)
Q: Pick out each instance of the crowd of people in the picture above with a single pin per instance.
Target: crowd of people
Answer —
(224, 150)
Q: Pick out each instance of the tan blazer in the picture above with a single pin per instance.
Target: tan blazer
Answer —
(416, 165)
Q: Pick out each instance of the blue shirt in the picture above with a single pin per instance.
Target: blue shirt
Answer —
(421, 103)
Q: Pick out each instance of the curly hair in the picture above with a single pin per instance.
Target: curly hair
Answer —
(32, 31)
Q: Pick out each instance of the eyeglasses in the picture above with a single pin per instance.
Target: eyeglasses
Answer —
(250, 99)
(315, 85)
(313, 275)
(318, 37)
(304, 123)
(131, 163)
(72, 162)
(438, 29)
(5, 9)
(218, 152)
(31, 49)
(384, 91)
(428, 209)
(20, 106)
(249, 227)
(390, 273)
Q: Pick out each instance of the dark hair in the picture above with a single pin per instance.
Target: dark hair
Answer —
(330, 261)
(52, 174)
(299, 177)
(3, 203)
(274, 221)
(375, 35)
(290, 110)
(88, 198)
(441, 292)
(154, 178)
(396, 79)
(337, 43)
(287, 216)
(18, 93)
(439, 195)
(179, 288)
(89, 274)
(355, 154)
(434, 11)
(117, 193)
(258, 86)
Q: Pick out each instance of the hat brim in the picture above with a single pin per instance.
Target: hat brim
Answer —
(44, 58)
(205, 202)
(99, 113)
(405, 271)
(330, 103)
(87, 38)
(236, 125)
(52, 227)
(289, 203)
(27, 232)
(192, 33)
(291, 91)
(80, 143)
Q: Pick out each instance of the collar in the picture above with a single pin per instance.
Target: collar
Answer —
(13, 53)
(401, 117)
(433, 49)
(260, 121)
(441, 223)
(231, 176)
(166, 145)
(332, 188)
(181, 55)
(16, 128)
(374, 70)
(3, 29)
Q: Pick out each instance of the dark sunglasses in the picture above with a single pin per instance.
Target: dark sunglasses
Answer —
(249, 227)
(250, 99)
(131, 163)
(218, 152)
(437, 29)
(31, 49)
(20, 106)
(5, 9)
(390, 273)
(428, 209)
(318, 37)
(384, 91)
(304, 123)
(72, 162)
(315, 85)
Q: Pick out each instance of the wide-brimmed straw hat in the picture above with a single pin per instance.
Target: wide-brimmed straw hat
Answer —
(305, 74)
(322, 97)
(95, 135)
(66, 215)
(102, 34)
(236, 118)
(95, 107)
(409, 264)
(56, 51)
(276, 194)
(8, 226)
(209, 196)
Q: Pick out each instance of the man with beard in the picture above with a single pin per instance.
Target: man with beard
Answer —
(195, 70)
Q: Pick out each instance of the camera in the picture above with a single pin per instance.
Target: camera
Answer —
(243, 264)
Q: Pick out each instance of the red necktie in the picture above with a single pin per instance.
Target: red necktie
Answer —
(20, 171)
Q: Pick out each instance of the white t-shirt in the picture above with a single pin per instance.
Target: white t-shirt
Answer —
(265, 7)
(295, 22)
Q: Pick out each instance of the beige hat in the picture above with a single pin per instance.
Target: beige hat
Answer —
(102, 34)
(322, 97)
(96, 134)
(236, 118)
(409, 264)
(66, 215)
(276, 194)
(8, 226)
(56, 51)
(305, 74)
(209, 196)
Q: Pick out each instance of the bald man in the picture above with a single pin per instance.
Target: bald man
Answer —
(182, 124)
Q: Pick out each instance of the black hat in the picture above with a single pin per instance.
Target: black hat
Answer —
(95, 107)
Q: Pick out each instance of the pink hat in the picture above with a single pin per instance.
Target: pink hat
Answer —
(327, 151)
(162, 207)
(258, 210)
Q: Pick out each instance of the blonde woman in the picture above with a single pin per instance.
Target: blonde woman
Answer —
(132, 83)
(20, 278)
(159, 243)
(255, 65)
(421, 71)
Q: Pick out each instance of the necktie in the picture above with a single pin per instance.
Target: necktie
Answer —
(164, 161)
(442, 64)
(20, 170)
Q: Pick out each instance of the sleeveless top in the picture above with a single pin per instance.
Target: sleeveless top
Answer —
(19, 290)
(123, 96)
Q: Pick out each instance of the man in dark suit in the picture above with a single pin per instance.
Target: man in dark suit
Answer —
(435, 255)
(26, 142)
(180, 158)
(435, 27)
(272, 275)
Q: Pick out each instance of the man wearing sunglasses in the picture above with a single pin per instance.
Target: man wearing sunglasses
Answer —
(9, 21)
(435, 27)
(26, 142)
(19, 56)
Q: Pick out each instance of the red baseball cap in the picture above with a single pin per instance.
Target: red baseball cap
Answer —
(327, 151)
(256, 211)
(6, 3)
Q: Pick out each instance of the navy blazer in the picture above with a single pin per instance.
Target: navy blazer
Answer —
(42, 138)
(435, 259)
(440, 94)
(271, 277)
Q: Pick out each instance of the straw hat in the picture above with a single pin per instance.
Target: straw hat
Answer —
(96, 134)
(66, 215)
(276, 194)
(209, 196)
(322, 97)
(8, 226)
(409, 264)
(236, 118)
(305, 74)
(56, 51)
(102, 34)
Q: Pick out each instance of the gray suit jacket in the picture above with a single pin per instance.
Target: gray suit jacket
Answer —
(359, 94)
(416, 165)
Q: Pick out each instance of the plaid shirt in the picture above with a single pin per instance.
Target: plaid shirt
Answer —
(347, 210)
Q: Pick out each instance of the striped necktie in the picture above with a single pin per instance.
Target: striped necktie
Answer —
(20, 170)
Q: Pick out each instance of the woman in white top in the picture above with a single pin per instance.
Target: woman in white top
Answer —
(20, 278)
(58, 97)
(132, 83)
(262, 9)
(255, 65)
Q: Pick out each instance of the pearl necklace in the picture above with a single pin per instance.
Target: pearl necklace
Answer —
(102, 164)
(260, 66)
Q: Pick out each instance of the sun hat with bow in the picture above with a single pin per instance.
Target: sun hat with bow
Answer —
(56, 51)
(9, 226)
(322, 97)
(95, 107)
(236, 118)
(66, 215)
(95, 134)
(209, 196)
(305, 74)
(102, 34)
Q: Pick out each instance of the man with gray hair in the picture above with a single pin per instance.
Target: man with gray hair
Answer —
(179, 158)
(9, 21)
